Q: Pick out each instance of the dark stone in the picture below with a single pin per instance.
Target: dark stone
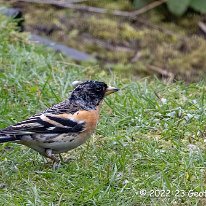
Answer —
(67, 51)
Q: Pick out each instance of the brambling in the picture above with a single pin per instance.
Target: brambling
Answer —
(64, 126)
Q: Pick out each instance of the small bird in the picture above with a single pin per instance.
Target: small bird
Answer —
(64, 126)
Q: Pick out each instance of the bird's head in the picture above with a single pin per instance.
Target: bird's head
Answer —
(91, 92)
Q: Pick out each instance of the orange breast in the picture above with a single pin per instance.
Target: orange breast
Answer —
(90, 117)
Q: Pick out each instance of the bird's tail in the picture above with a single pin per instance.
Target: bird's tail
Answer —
(5, 138)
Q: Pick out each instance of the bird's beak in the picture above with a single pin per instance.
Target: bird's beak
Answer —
(110, 90)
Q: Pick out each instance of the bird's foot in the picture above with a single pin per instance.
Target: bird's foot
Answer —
(56, 161)
(56, 165)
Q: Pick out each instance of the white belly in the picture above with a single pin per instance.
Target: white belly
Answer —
(58, 144)
(64, 143)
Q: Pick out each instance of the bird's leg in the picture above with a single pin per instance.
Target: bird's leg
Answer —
(56, 161)
(61, 158)
(48, 153)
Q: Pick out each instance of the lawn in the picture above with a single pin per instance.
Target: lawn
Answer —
(148, 148)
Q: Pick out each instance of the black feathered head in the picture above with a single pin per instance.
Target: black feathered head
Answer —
(91, 93)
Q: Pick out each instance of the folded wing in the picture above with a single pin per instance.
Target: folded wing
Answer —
(45, 123)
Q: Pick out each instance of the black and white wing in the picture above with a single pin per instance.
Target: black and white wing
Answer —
(44, 124)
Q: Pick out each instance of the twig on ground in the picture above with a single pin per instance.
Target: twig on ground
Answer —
(136, 57)
(70, 5)
(170, 76)
(202, 26)
(107, 45)
(53, 1)
(147, 8)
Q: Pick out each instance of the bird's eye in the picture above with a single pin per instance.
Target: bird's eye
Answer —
(98, 89)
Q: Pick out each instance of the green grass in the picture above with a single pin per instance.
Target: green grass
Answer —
(150, 136)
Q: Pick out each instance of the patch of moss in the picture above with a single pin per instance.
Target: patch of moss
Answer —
(111, 4)
(104, 28)
(129, 33)
(112, 29)
(186, 24)
(138, 69)
(115, 56)
(192, 62)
